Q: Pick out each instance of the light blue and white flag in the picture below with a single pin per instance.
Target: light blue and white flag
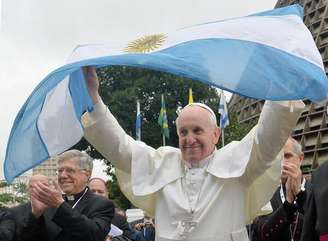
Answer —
(270, 55)
(223, 111)
(138, 122)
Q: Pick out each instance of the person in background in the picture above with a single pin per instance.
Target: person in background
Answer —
(21, 213)
(78, 215)
(315, 225)
(147, 229)
(7, 225)
(285, 221)
(98, 186)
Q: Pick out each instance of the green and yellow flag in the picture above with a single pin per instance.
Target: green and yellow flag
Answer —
(162, 120)
(191, 99)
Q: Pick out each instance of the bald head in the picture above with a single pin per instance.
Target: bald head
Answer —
(98, 186)
(37, 178)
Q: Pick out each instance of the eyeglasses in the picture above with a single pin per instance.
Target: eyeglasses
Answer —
(68, 170)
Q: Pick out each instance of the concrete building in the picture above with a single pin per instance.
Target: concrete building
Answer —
(47, 168)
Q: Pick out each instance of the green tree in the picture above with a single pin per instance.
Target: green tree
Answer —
(3, 184)
(235, 131)
(7, 198)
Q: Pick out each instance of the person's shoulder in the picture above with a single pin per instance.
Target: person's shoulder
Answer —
(322, 169)
(169, 149)
(167, 152)
(23, 207)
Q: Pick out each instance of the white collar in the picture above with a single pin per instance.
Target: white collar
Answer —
(202, 163)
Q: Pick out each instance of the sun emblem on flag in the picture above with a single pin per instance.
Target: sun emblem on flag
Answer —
(146, 44)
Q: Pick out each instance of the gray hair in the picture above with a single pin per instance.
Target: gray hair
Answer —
(84, 161)
(297, 148)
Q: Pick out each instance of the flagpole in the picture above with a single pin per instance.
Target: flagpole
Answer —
(163, 136)
(222, 131)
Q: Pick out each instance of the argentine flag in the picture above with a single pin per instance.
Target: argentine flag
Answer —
(269, 55)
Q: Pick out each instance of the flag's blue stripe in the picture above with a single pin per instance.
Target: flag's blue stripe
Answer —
(22, 153)
(223, 120)
(138, 127)
(138, 122)
(25, 148)
(79, 94)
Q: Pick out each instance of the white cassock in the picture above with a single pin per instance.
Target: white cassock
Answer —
(212, 202)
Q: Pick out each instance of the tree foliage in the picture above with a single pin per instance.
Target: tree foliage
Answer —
(235, 131)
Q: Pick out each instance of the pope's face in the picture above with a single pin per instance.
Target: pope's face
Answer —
(197, 134)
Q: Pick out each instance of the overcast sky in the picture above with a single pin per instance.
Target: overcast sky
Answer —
(36, 36)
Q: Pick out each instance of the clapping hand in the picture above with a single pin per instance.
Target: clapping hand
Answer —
(50, 196)
(294, 180)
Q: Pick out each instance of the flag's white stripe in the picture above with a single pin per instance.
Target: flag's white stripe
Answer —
(58, 125)
(259, 29)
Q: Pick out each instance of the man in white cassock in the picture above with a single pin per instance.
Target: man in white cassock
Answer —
(196, 192)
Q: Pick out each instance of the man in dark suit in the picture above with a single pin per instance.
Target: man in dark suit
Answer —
(7, 225)
(285, 221)
(98, 186)
(79, 215)
(315, 226)
(22, 211)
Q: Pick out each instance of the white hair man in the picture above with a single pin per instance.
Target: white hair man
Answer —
(287, 204)
(78, 215)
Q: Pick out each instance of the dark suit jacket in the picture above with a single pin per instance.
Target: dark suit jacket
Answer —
(316, 217)
(280, 224)
(7, 225)
(148, 233)
(121, 222)
(88, 221)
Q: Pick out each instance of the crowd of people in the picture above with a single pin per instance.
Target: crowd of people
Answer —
(74, 207)
(195, 192)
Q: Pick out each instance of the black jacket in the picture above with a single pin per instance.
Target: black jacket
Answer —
(316, 217)
(7, 225)
(121, 222)
(285, 221)
(88, 221)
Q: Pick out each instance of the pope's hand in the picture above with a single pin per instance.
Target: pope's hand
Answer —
(92, 82)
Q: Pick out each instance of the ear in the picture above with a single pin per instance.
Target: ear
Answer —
(217, 134)
(88, 174)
